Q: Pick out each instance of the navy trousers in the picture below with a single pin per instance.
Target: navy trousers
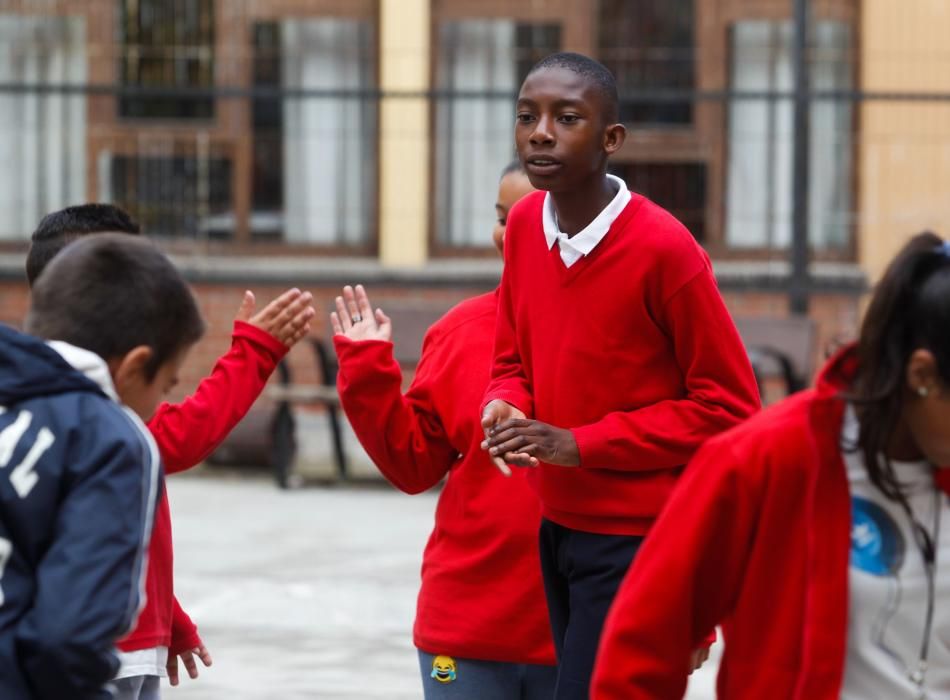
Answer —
(582, 572)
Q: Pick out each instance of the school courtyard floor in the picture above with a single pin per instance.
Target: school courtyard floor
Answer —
(306, 593)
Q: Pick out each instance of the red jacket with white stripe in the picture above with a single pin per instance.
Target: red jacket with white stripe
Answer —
(186, 434)
(755, 537)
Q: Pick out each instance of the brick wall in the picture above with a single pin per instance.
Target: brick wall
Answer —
(219, 304)
(836, 314)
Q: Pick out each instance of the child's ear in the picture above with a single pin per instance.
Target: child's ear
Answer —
(922, 376)
(128, 371)
(614, 136)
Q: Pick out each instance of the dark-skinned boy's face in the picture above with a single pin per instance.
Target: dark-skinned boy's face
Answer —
(561, 129)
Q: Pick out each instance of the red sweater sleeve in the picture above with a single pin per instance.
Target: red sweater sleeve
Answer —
(720, 390)
(189, 431)
(508, 381)
(682, 583)
(184, 630)
(402, 434)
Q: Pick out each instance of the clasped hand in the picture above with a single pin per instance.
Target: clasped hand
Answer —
(512, 438)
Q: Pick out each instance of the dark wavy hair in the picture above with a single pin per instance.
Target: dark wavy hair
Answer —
(60, 228)
(909, 310)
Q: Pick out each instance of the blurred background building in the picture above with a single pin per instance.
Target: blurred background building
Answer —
(270, 143)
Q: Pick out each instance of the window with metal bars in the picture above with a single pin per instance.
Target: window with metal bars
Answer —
(166, 45)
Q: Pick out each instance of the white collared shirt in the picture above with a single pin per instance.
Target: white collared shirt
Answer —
(583, 242)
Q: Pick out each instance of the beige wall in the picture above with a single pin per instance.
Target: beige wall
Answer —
(904, 148)
(404, 133)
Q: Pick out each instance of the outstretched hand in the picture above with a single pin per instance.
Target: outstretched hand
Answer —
(188, 658)
(355, 319)
(287, 318)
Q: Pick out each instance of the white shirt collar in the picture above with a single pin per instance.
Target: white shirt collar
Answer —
(87, 363)
(582, 243)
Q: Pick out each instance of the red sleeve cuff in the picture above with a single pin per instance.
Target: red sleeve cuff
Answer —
(348, 349)
(185, 642)
(591, 446)
(363, 365)
(261, 338)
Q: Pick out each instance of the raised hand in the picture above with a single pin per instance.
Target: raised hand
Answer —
(524, 443)
(287, 318)
(355, 319)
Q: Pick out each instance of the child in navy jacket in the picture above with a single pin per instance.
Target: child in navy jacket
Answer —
(79, 472)
(186, 433)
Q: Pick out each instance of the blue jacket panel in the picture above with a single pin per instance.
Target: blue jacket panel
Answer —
(78, 486)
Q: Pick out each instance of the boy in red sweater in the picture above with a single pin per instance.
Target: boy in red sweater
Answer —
(612, 335)
(186, 434)
(481, 625)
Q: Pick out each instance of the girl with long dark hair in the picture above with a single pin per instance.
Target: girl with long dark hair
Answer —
(817, 533)
(481, 623)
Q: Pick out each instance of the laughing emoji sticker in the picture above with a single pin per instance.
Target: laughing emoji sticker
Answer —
(443, 669)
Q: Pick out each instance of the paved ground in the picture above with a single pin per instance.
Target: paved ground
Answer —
(304, 594)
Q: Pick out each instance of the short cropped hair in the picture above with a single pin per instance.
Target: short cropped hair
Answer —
(111, 293)
(60, 228)
(594, 72)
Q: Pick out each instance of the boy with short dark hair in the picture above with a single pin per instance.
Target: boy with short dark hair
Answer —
(612, 335)
(186, 433)
(79, 471)
(59, 228)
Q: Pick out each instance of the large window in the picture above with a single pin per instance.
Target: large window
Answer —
(475, 130)
(196, 157)
(327, 134)
(167, 44)
(649, 45)
(42, 134)
(180, 195)
(761, 138)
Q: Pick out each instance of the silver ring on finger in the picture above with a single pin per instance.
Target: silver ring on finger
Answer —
(357, 318)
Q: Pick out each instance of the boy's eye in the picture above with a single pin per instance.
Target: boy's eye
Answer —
(569, 118)
(501, 221)
(524, 117)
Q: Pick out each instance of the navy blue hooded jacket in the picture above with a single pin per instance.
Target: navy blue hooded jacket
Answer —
(78, 485)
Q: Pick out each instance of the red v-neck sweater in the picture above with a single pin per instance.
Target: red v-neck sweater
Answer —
(481, 595)
(632, 348)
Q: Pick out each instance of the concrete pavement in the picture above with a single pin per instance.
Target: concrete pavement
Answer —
(304, 594)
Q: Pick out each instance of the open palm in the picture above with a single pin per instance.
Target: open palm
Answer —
(355, 319)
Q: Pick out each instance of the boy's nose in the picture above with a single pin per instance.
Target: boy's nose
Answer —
(542, 133)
